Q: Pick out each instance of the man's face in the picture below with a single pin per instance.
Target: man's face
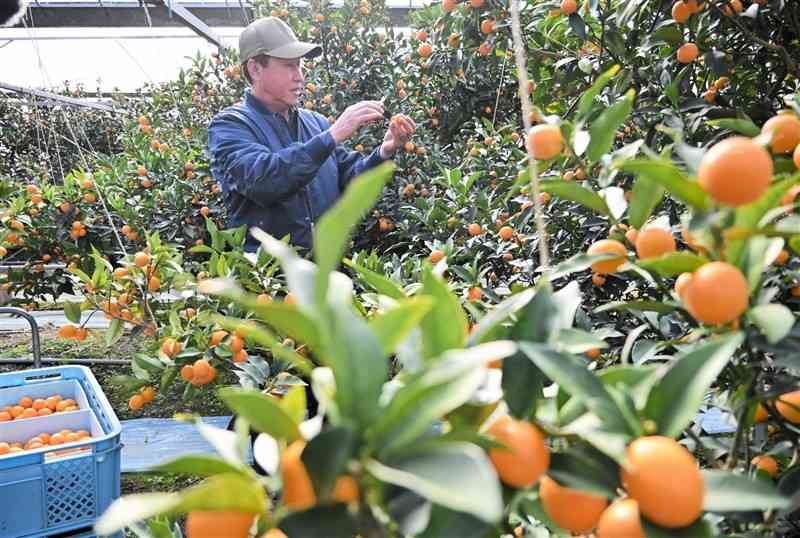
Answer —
(280, 82)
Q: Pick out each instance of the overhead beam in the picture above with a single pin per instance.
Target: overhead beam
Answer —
(132, 14)
(71, 101)
(198, 26)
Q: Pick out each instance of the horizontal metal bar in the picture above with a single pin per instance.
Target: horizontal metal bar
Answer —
(55, 360)
(55, 97)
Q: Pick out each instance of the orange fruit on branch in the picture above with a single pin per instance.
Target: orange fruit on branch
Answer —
(425, 50)
(663, 477)
(736, 171)
(788, 405)
(545, 141)
(487, 26)
(653, 242)
(216, 523)
(608, 246)
(717, 293)
(767, 464)
(682, 284)
(298, 492)
(620, 520)
(568, 7)
(681, 12)
(525, 457)
(784, 130)
(506, 233)
(572, 509)
(688, 53)
(141, 259)
(345, 490)
(436, 256)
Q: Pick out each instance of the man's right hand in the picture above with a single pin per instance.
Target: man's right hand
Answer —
(354, 117)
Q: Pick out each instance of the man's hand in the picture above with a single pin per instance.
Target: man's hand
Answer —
(401, 127)
(355, 117)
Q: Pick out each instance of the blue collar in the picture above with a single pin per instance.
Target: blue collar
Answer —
(252, 102)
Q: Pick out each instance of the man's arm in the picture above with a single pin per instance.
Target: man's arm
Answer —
(258, 173)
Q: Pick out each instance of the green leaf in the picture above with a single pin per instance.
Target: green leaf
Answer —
(577, 341)
(584, 468)
(669, 176)
(485, 326)
(332, 234)
(199, 465)
(72, 311)
(395, 324)
(149, 364)
(114, 331)
(604, 128)
(573, 377)
(359, 365)
(332, 521)
(377, 281)
(674, 263)
(264, 413)
(231, 491)
(743, 126)
(675, 399)
(287, 319)
(642, 306)
(646, 197)
(588, 97)
(326, 455)
(432, 393)
(444, 522)
(729, 492)
(774, 320)
(570, 190)
(758, 254)
(294, 403)
(699, 529)
(445, 326)
(458, 476)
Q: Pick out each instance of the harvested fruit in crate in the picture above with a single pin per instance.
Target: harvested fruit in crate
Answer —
(44, 439)
(28, 407)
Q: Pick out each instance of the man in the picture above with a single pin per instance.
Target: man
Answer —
(281, 167)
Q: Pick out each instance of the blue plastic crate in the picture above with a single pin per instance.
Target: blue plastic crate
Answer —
(52, 491)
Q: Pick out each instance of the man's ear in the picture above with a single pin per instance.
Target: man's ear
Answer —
(11, 11)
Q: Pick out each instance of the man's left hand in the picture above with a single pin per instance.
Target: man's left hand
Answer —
(401, 127)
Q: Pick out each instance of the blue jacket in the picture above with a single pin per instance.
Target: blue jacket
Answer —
(269, 180)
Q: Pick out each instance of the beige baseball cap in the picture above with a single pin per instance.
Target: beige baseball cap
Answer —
(273, 37)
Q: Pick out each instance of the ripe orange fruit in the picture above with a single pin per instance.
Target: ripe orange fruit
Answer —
(653, 242)
(29, 413)
(148, 394)
(448, 5)
(274, 533)
(154, 284)
(345, 490)
(484, 49)
(568, 7)
(545, 141)
(733, 7)
(593, 353)
(215, 523)
(782, 257)
(682, 284)
(785, 132)
(735, 171)
(598, 280)
(663, 477)
(761, 413)
(688, 53)
(796, 156)
(422, 35)
(717, 293)
(298, 492)
(5, 448)
(436, 256)
(141, 259)
(203, 372)
(236, 343)
(767, 464)
(217, 337)
(474, 229)
(25, 401)
(506, 233)
(632, 235)
(788, 405)
(187, 372)
(474, 293)
(136, 402)
(240, 356)
(525, 458)
(608, 246)
(290, 299)
(621, 519)
(571, 509)
(425, 50)
(680, 12)
(487, 26)
(5, 416)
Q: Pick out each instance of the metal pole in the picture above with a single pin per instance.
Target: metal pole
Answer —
(56, 360)
(37, 351)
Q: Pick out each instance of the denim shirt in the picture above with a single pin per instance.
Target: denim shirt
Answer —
(280, 181)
